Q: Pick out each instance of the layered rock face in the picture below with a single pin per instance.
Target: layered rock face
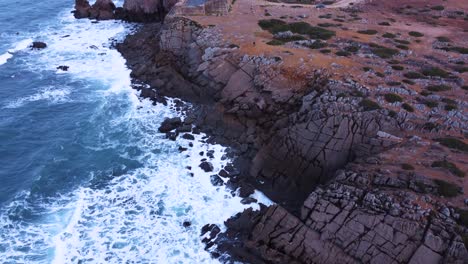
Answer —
(351, 220)
(133, 10)
(102, 9)
(289, 142)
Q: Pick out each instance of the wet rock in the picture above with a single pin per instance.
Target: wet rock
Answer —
(206, 166)
(38, 45)
(184, 128)
(182, 149)
(248, 200)
(188, 136)
(186, 223)
(63, 68)
(216, 180)
(172, 136)
(170, 124)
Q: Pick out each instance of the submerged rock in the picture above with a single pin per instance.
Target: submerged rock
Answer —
(38, 45)
(206, 166)
(170, 124)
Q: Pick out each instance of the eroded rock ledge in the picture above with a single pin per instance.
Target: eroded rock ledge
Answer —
(292, 136)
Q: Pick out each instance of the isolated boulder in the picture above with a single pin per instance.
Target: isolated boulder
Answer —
(38, 45)
(82, 8)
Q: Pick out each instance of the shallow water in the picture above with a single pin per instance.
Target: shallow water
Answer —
(85, 175)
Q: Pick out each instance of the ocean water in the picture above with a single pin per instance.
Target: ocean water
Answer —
(85, 177)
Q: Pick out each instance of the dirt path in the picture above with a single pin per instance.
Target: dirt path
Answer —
(345, 3)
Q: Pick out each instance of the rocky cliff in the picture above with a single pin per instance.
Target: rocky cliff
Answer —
(291, 138)
(132, 10)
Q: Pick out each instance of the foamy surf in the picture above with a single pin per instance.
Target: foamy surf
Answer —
(133, 216)
(18, 47)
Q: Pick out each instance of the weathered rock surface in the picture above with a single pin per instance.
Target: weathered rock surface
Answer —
(288, 142)
(348, 221)
(38, 45)
(132, 10)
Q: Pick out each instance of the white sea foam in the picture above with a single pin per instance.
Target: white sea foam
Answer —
(18, 47)
(138, 216)
(50, 94)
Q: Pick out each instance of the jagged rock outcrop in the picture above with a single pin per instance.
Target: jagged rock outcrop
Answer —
(293, 139)
(288, 142)
(350, 220)
(132, 10)
(101, 9)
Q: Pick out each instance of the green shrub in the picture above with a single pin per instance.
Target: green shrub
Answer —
(449, 101)
(403, 47)
(291, 38)
(401, 41)
(392, 98)
(342, 53)
(431, 104)
(443, 39)
(381, 75)
(438, 8)
(438, 88)
(453, 143)
(465, 87)
(393, 62)
(392, 83)
(368, 32)
(383, 52)
(461, 69)
(407, 107)
(435, 72)
(389, 35)
(366, 69)
(325, 51)
(413, 75)
(463, 220)
(460, 50)
(407, 166)
(410, 82)
(430, 126)
(275, 42)
(352, 48)
(369, 105)
(273, 25)
(392, 113)
(384, 24)
(415, 34)
(447, 189)
(449, 166)
(425, 93)
(398, 67)
(450, 107)
(316, 45)
(312, 32)
(325, 25)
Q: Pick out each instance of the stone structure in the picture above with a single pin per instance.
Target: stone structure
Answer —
(201, 7)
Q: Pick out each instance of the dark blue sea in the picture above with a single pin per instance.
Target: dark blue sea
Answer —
(85, 177)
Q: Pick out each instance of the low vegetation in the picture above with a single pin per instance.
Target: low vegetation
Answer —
(276, 25)
(407, 166)
(435, 72)
(368, 32)
(413, 75)
(416, 34)
(449, 166)
(393, 98)
(447, 189)
(369, 105)
(383, 52)
(438, 88)
(453, 143)
(407, 107)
